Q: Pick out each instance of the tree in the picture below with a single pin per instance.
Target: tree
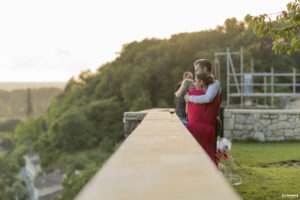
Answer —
(17, 191)
(284, 30)
(72, 131)
(29, 109)
(74, 182)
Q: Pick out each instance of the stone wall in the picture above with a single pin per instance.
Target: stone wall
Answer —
(131, 120)
(262, 125)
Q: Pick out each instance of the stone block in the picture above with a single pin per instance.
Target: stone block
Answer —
(258, 127)
(268, 133)
(249, 127)
(250, 120)
(243, 127)
(283, 117)
(237, 133)
(284, 125)
(279, 125)
(228, 124)
(292, 120)
(239, 127)
(259, 136)
(297, 122)
(227, 114)
(256, 116)
(289, 132)
(273, 116)
(278, 133)
(280, 138)
(240, 119)
(265, 116)
(265, 122)
(297, 131)
(227, 134)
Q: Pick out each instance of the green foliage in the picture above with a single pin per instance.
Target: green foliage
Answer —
(135, 90)
(106, 116)
(9, 125)
(6, 140)
(47, 151)
(5, 177)
(72, 131)
(18, 189)
(284, 30)
(74, 182)
(142, 102)
(14, 159)
(30, 130)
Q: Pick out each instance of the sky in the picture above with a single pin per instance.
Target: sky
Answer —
(53, 40)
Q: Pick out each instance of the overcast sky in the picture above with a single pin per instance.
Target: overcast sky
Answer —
(54, 40)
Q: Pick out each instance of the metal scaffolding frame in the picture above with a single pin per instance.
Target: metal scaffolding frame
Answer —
(240, 83)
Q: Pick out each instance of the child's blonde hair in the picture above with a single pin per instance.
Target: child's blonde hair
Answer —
(184, 88)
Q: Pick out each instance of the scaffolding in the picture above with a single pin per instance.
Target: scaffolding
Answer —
(244, 84)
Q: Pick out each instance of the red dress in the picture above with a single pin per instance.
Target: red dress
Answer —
(202, 121)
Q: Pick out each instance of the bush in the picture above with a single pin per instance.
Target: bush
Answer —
(73, 132)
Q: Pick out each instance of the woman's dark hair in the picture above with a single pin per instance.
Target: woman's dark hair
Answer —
(207, 77)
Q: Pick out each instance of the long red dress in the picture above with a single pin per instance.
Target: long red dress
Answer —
(202, 121)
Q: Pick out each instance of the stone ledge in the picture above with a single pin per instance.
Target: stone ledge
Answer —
(250, 111)
(159, 160)
(132, 119)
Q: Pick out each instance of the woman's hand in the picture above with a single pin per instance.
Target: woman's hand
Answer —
(186, 98)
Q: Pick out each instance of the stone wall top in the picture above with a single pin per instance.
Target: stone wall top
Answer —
(159, 160)
(265, 111)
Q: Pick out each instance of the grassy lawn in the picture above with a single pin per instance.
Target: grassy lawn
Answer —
(267, 170)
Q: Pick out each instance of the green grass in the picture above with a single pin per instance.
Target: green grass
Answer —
(271, 152)
(262, 173)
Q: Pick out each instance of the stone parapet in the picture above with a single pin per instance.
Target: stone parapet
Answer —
(159, 160)
(132, 119)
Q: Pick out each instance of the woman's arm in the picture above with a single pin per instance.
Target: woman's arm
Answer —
(186, 108)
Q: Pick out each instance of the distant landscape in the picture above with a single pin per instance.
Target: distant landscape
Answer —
(13, 97)
(25, 85)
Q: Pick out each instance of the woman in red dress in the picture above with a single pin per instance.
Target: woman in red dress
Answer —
(202, 117)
